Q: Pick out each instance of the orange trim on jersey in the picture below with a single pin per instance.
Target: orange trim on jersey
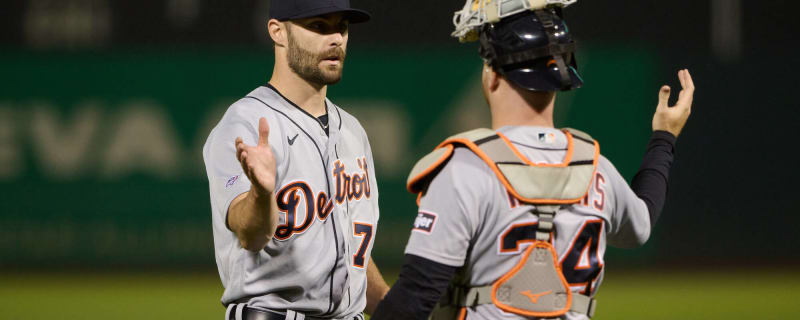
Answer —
(517, 268)
(463, 314)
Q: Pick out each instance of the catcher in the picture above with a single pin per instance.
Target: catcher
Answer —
(513, 221)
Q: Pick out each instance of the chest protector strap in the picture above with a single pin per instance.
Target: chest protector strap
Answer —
(535, 287)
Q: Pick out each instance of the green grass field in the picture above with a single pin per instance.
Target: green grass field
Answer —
(744, 294)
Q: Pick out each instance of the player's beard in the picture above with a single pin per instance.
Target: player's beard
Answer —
(306, 64)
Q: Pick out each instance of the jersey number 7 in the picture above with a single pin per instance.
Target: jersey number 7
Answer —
(363, 230)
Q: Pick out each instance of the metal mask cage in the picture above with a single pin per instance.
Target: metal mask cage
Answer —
(478, 12)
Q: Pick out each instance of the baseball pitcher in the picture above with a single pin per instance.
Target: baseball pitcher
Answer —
(292, 182)
(513, 221)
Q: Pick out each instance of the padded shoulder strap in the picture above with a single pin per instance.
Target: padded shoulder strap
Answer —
(562, 183)
(579, 134)
(423, 170)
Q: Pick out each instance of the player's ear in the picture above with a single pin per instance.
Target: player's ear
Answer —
(277, 31)
(491, 79)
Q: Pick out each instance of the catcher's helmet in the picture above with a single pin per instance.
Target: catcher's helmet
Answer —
(533, 49)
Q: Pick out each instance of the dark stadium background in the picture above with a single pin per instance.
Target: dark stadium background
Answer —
(104, 106)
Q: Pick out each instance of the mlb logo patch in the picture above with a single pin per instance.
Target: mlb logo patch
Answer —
(424, 222)
(547, 137)
(231, 181)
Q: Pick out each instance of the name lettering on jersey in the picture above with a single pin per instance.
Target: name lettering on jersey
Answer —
(351, 186)
(596, 198)
(324, 206)
(424, 222)
(296, 201)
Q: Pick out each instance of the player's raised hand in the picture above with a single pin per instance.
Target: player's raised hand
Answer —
(257, 161)
(672, 119)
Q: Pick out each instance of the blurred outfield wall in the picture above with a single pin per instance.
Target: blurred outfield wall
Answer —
(100, 152)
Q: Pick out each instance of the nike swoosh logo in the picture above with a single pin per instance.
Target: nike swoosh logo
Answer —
(291, 141)
(535, 296)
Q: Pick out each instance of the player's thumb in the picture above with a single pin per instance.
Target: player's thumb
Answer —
(263, 131)
(663, 97)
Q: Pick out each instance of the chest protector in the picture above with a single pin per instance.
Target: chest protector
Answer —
(535, 287)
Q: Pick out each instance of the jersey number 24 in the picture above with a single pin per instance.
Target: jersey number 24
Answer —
(580, 265)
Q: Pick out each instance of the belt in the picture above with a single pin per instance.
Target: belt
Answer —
(243, 312)
(255, 314)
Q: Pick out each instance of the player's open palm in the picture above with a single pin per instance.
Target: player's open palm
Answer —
(672, 119)
(257, 161)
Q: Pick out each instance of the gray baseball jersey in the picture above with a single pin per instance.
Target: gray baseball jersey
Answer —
(468, 218)
(328, 200)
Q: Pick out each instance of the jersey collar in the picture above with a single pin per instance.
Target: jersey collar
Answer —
(327, 110)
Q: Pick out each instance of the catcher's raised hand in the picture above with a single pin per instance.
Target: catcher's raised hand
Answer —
(672, 119)
(257, 161)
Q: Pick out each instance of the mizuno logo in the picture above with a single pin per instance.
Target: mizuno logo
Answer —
(535, 296)
(291, 141)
